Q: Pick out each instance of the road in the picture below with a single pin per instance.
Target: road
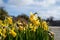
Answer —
(56, 30)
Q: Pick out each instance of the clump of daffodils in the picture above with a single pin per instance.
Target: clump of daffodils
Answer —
(35, 29)
(36, 23)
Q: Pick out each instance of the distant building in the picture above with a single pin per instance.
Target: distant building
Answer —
(54, 22)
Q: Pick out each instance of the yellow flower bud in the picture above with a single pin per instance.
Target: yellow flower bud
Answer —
(0, 31)
(24, 28)
(4, 30)
(3, 35)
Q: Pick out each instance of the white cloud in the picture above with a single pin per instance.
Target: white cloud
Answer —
(53, 12)
(47, 3)
(44, 3)
(46, 8)
(1, 3)
(20, 2)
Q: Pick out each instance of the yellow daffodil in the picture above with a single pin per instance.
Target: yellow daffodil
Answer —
(13, 33)
(13, 28)
(10, 20)
(31, 26)
(34, 19)
(21, 28)
(4, 25)
(34, 28)
(37, 23)
(3, 33)
(31, 16)
(45, 26)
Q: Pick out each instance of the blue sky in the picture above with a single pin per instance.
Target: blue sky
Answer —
(44, 8)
